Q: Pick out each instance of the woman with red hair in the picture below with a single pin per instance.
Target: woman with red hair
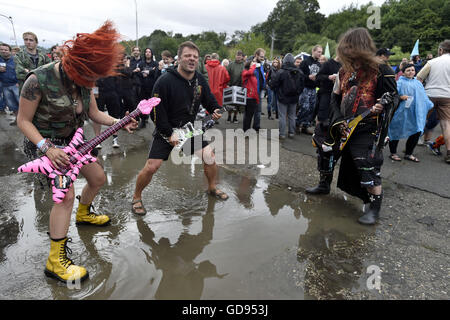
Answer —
(55, 101)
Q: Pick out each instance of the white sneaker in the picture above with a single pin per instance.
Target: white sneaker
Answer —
(99, 146)
(115, 143)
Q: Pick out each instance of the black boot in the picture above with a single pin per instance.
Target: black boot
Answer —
(324, 184)
(373, 213)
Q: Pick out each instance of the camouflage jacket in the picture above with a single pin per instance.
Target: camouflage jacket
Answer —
(23, 61)
(56, 115)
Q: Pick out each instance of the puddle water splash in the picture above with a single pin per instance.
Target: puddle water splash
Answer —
(264, 242)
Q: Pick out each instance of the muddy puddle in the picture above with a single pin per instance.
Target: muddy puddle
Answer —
(11, 157)
(265, 242)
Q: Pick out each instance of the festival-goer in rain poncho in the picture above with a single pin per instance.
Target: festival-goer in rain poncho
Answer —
(410, 117)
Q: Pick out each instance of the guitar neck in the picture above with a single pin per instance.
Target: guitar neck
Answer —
(222, 110)
(365, 113)
(89, 145)
(227, 108)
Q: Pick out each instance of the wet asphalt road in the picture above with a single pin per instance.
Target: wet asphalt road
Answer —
(268, 241)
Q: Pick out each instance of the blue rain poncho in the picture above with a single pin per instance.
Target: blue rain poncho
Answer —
(411, 115)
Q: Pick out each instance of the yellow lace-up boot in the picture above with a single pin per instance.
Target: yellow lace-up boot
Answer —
(59, 266)
(87, 217)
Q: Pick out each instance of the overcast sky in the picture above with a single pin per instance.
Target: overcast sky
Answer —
(57, 21)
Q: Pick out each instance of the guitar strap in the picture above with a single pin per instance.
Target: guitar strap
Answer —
(354, 79)
(196, 97)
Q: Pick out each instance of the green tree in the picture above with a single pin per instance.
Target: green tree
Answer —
(250, 42)
(405, 21)
(236, 37)
(349, 17)
(155, 41)
(313, 18)
(305, 43)
(210, 41)
(298, 26)
(398, 56)
(287, 20)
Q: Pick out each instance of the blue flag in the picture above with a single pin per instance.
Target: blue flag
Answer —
(415, 51)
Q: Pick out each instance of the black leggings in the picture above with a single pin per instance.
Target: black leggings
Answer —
(410, 144)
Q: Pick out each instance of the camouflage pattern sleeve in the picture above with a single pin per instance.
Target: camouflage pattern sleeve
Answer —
(20, 68)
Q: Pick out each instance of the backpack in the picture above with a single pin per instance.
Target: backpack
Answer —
(293, 84)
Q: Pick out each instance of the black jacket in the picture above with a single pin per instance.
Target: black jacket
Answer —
(177, 95)
(310, 66)
(328, 68)
(148, 82)
(133, 65)
(288, 82)
(271, 76)
(349, 178)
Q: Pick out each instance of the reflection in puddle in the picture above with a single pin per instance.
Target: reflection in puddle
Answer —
(265, 242)
(10, 159)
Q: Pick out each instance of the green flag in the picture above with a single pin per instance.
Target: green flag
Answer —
(327, 52)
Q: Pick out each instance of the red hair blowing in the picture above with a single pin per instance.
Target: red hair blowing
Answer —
(91, 56)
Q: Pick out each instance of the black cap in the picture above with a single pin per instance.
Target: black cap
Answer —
(385, 52)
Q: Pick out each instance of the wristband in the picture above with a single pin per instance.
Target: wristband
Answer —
(47, 145)
(40, 143)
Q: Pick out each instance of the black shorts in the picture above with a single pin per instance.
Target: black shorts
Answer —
(161, 149)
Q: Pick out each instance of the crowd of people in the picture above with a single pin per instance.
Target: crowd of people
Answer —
(350, 104)
(298, 89)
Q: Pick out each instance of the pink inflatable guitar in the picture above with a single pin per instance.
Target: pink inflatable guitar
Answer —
(78, 151)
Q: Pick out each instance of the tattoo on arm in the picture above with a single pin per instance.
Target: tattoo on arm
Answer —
(31, 90)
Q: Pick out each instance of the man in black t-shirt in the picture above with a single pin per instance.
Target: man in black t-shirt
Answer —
(310, 67)
(181, 90)
(148, 68)
(135, 65)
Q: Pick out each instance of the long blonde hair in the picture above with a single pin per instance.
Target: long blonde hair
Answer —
(279, 63)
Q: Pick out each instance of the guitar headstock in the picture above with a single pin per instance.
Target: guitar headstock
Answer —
(146, 106)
